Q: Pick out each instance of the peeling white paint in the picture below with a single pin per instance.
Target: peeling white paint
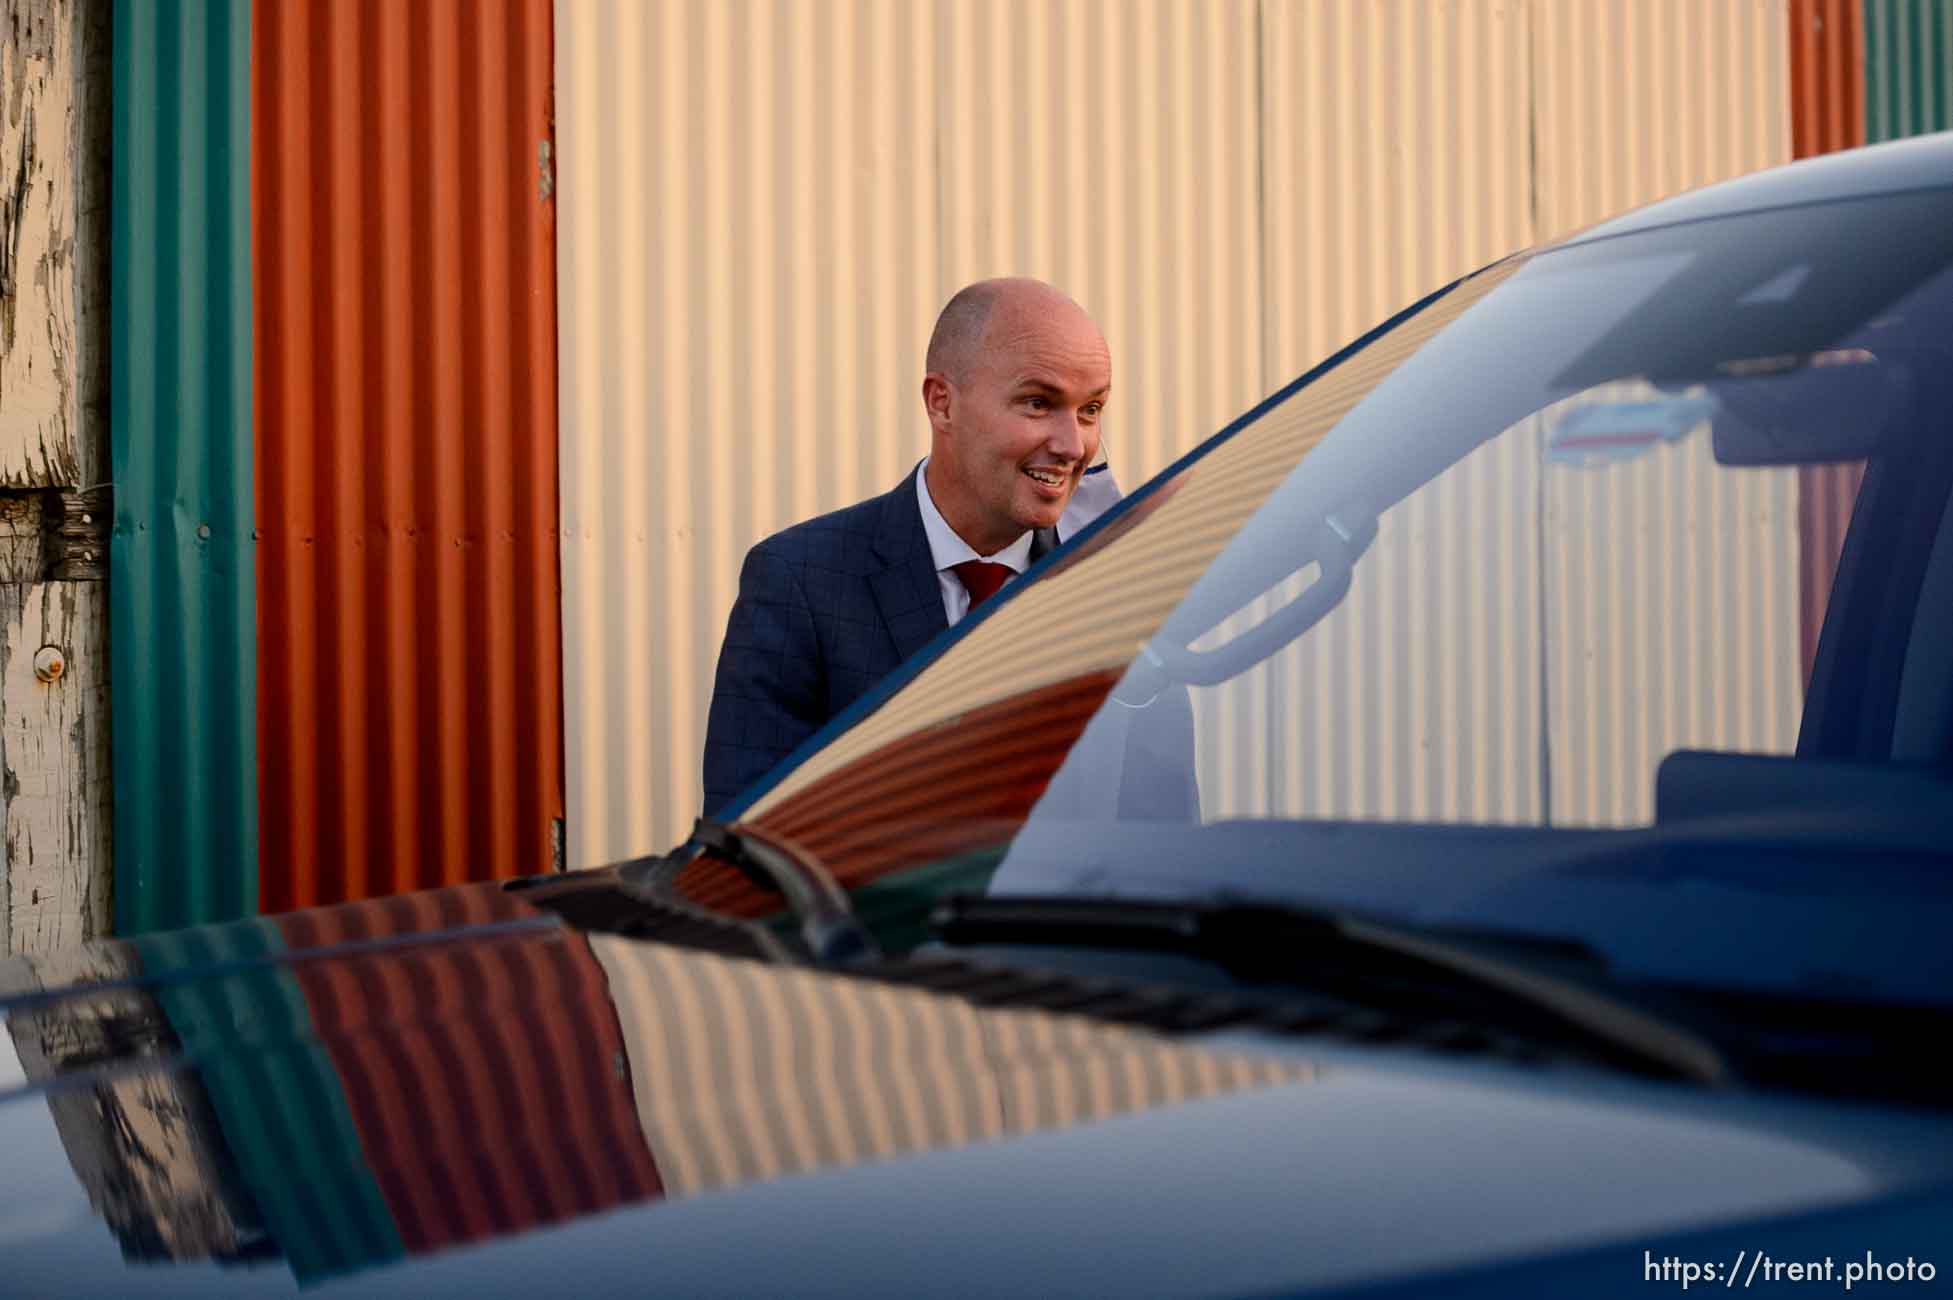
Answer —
(54, 767)
(43, 436)
(54, 755)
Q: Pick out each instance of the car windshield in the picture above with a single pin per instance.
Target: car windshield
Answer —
(1480, 579)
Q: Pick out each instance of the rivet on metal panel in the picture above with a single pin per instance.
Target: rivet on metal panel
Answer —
(203, 532)
(49, 663)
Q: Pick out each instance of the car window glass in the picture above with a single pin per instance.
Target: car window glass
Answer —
(1566, 581)
(1923, 726)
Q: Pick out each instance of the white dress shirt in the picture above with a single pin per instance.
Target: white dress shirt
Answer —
(949, 550)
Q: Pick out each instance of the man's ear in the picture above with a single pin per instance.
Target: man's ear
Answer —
(938, 394)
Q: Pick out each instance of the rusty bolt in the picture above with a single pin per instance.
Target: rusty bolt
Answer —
(49, 663)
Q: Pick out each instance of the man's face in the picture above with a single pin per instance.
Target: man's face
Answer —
(1018, 433)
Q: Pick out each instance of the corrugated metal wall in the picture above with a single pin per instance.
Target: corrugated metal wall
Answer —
(1859, 75)
(1827, 74)
(1237, 189)
(751, 354)
(1397, 140)
(1637, 101)
(181, 600)
(409, 710)
(1587, 108)
(1640, 99)
(1714, 551)
(1909, 67)
(1827, 113)
(1399, 705)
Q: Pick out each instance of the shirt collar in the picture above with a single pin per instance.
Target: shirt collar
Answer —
(950, 550)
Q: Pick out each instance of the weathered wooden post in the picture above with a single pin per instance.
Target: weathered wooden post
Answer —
(55, 502)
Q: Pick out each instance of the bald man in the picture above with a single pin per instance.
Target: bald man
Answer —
(1016, 384)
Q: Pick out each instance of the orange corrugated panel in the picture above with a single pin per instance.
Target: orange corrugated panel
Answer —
(517, 1037)
(1827, 113)
(1827, 76)
(404, 312)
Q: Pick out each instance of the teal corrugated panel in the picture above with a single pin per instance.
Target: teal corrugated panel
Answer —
(1908, 67)
(248, 1032)
(181, 581)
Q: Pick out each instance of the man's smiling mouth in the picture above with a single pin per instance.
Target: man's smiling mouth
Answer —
(1048, 477)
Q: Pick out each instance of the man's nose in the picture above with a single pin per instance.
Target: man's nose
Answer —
(1067, 439)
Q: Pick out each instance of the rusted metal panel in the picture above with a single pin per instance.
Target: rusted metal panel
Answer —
(409, 701)
(1827, 75)
(54, 274)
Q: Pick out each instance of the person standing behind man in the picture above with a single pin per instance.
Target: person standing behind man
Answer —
(1016, 384)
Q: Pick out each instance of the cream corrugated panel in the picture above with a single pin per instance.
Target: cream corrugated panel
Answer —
(1109, 147)
(743, 1072)
(749, 264)
(1641, 99)
(1638, 100)
(1422, 119)
(1397, 158)
(1445, 725)
(763, 206)
(1714, 551)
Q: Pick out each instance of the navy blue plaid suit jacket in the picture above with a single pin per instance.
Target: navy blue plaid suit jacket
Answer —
(825, 610)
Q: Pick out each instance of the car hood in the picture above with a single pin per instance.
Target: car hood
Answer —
(459, 1092)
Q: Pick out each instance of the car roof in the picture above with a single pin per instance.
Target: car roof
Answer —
(1920, 163)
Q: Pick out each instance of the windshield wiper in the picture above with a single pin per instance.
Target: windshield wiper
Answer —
(829, 929)
(1364, 961)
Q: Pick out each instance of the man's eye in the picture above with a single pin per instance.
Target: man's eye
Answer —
(1091, 411)
(1037, 403)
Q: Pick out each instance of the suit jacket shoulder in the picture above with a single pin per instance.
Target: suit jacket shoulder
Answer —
(826, 608)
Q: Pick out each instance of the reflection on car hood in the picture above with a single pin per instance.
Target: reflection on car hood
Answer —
(360, 1090)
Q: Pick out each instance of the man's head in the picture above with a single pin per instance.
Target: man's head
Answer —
(1018, 376)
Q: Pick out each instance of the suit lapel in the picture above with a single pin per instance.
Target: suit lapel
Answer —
(906, 591)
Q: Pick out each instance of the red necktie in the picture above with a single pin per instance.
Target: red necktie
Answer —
(981, 578)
